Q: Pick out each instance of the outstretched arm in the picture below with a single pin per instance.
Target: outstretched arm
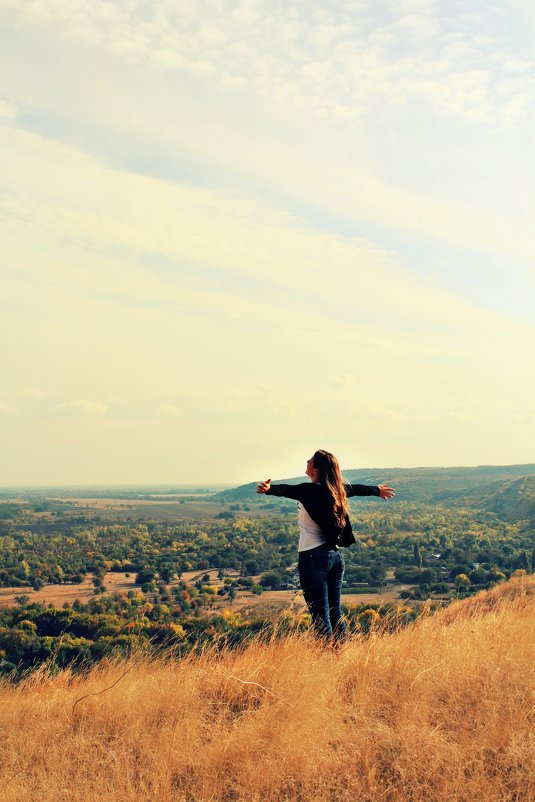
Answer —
(288, 491)
(383, 491)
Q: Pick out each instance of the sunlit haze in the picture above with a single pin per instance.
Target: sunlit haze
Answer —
(235, 232)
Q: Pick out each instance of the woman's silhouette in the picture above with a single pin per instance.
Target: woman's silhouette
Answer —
(323, 525)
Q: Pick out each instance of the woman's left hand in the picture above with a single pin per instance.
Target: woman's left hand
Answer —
(386, 492)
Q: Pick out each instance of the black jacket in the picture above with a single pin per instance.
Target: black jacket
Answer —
(315, 499)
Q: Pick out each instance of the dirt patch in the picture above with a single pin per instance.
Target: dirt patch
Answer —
(389, 594)
(59, 594)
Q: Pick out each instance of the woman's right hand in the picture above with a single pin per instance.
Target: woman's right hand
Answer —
(386, 492)
(263, 487)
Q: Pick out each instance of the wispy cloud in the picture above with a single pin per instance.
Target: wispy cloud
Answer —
(8, 109)
(171, 410)
(203, 235)
(335, 56)
(84, 406)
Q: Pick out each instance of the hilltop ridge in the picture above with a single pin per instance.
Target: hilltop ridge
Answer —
(440, 710)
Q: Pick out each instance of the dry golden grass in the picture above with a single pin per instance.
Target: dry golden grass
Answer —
(442, 710)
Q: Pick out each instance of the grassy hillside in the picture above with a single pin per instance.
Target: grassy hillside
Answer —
(442, 710)
(514, 500)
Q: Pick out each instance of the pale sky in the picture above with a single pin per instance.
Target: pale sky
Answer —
(235, 232)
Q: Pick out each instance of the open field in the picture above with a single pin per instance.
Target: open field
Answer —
(59, 594)
(117, 510)
(439, 711)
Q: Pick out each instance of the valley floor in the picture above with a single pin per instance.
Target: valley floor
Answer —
(118, 582)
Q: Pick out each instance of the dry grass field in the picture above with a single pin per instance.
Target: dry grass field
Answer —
(59, 594)
(442, 710)
(119, 510)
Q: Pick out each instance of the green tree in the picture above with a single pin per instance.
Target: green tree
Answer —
(377, 573)
(166, 573)
(144, 576)
(417, 556)
(272, 579)
(462, 582)
(524, 562)
(427, 576)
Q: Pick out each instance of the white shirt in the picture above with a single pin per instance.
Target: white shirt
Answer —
(310, 534)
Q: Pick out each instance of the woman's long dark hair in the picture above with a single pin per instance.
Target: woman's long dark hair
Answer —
(330, 476)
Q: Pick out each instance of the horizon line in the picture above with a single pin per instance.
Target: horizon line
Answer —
(234, 484)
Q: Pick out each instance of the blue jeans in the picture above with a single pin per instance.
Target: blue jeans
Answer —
(321, 571)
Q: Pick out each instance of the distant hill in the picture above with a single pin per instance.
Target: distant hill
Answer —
(505, 489)
(512, 501)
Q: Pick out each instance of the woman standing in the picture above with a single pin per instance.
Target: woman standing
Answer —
(323, 524)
